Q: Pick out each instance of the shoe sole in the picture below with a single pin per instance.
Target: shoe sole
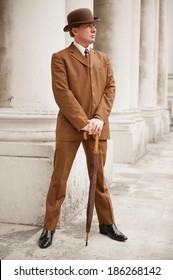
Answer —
(44, 247)
(118, 239)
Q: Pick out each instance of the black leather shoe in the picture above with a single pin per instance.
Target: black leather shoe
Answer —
(112, 232)
(45, 239)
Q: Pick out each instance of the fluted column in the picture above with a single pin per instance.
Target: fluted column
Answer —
(162, 84)
(149, 46)
(162, 55)
(114, 38)
(147, 81)
(28, 43)
(135, 49)
(5, 56)
(119, 36)
(30, 31)
(170, 40)
(27, 129)
(170, 59)
(28, 36)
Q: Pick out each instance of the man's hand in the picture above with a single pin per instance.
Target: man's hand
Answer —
(94, 126)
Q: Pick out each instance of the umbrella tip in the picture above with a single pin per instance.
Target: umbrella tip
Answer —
(86, 239)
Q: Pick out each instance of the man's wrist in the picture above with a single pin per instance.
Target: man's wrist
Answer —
(99, 117)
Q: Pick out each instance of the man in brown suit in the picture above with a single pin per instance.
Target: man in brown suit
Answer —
(84, 89)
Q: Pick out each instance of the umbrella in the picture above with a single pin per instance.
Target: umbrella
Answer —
(93, 178)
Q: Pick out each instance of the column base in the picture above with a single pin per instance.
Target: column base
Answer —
(157, 121)
(130, 136)
(165, 121)
(26, 163)
(170, 107)
(170, 99)
(5, 102)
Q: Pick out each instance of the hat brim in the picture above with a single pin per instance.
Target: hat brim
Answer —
(75, 24)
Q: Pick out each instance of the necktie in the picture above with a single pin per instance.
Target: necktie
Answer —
(87, 55)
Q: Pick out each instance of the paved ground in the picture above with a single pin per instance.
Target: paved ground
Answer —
(142, 195)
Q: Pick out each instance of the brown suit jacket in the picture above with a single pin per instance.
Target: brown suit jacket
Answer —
(81, 91)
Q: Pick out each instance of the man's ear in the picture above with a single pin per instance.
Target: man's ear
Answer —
(74, 31)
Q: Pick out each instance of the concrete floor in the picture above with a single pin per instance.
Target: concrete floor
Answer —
(142, 196)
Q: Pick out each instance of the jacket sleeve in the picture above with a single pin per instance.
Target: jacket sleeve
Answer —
(108, 96)
(64, 97)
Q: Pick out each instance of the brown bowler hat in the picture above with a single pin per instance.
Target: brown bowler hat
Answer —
(78, 17)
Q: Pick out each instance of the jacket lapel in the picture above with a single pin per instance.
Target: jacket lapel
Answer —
(93, 57)
(77, 55)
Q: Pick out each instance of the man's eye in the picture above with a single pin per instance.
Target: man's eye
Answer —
(91, 25)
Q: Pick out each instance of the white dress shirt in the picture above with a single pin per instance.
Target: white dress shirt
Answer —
(81, 48)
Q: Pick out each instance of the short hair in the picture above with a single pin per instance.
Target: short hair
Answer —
(71, 33)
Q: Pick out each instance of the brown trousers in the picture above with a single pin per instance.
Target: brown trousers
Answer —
(64, 156)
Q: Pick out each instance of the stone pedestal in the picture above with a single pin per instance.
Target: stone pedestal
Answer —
(153, 121)
(157, 121)
(170, 99)
(27, 144)
(130, 136)
(165, 120)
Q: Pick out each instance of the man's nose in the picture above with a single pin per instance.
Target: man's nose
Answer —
(93, 29)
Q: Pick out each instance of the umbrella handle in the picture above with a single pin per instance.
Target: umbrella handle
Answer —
(85, 135)
(96, 147)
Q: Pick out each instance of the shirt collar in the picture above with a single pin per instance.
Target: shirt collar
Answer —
(81, 48)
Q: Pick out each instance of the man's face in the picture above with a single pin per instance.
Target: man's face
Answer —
(85, 34)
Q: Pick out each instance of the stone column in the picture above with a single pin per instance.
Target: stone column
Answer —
(162, 56)
(30, 34)
(5, 56)
(162, 100)
(148, 67)
(118, 36)
(170, 37)
(27, 129)
(135, 48)
(170, 59)
(114, 38)
(147, 84)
